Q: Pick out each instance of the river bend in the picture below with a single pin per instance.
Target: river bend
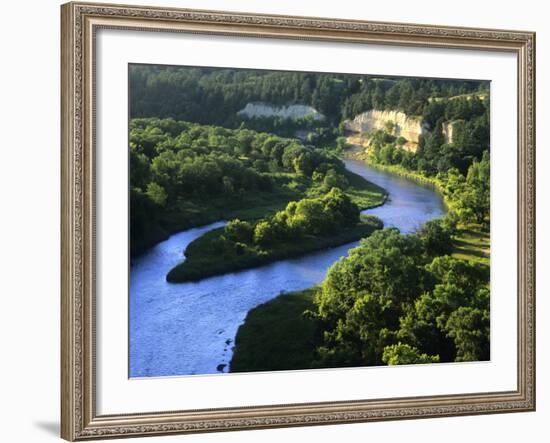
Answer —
(189, 328)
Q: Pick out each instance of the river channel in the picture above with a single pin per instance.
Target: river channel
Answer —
(190, 328)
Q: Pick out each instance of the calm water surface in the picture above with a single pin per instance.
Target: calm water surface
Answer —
(189, 328)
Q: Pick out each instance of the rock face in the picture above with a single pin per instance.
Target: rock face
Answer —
(448, 131)
(405, 126)
(293, 112)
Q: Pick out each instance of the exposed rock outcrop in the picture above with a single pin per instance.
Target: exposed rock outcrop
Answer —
(448, 129)
(294, 112)
(409, 127)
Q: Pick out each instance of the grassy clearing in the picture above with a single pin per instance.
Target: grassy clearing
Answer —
(276, 335)
(364, 193)
(472, 243)
(204, 258)
(398, 170)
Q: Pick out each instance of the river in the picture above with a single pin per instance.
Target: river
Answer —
(189, 328)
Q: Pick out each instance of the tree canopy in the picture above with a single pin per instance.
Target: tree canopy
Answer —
(393, 301)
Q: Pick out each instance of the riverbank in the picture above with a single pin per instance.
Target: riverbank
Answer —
(276, 336)
(189, 214)
(470, 242)
(204, 259)
(207, 314)
(260, 345)
(432, 182)
(281, 335)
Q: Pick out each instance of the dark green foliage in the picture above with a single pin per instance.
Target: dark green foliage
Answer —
(188, 160)
(277, 335)
(362, 297)
(184, 174)
(214, 95)
(318, 133)
(456, 284)
(469, 328)
(436, 237)
(468, 119)
(388, 302)
(413, 96)
(239, 231)
(470, 196)
(461, 168)
(145, 224)
(333, 179)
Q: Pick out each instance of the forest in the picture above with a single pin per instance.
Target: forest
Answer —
(184, 174)
(213, 96)
(397, 298)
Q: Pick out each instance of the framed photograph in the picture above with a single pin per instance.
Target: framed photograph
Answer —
(282, 221)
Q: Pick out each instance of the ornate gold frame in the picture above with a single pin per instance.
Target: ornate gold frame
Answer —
(79, 21)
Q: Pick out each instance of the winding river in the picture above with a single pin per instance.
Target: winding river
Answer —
(189, 328)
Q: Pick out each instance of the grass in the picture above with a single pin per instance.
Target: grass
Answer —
(276, 336)
(205, 259)
(364, 193)
(400, 171)
(473, 244)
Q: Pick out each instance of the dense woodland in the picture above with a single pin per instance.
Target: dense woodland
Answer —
(213, 96)
(395, 299)
(403, 299)
(184, 174)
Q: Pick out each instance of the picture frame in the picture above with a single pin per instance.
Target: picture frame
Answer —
(79, 178)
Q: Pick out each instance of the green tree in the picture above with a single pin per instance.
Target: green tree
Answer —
(389, 127)
(334, 180)
(239, 231)
(469, 328)
(364, 295)
(156, 193)
(436, 237)
(264, 233)
(478, 197)
(404, 354)
(308, 217)
(339, 210)
(456, 284)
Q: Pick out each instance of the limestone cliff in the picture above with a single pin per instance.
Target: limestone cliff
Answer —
(448, 129)
(293, 112)
(409, 127)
